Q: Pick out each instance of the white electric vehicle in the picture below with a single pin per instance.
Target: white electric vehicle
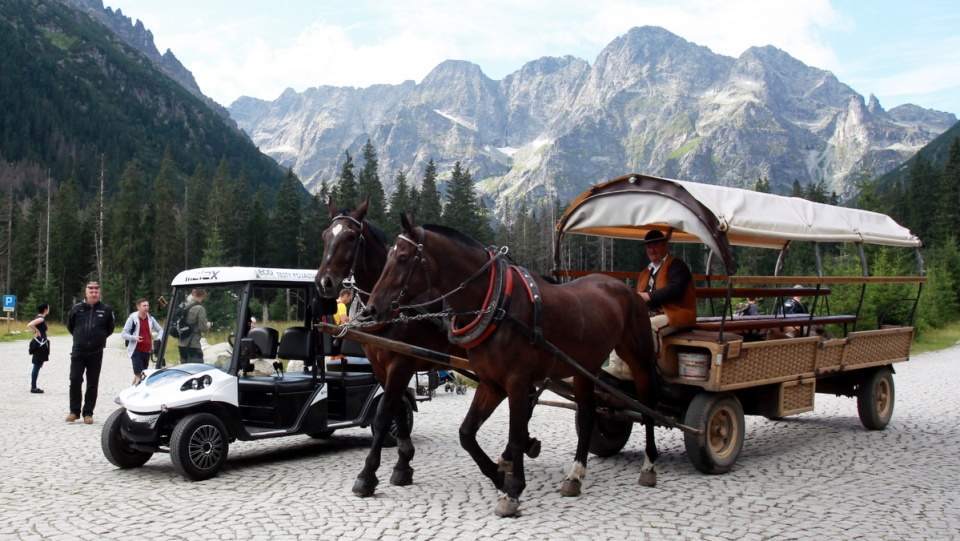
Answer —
(266, 373)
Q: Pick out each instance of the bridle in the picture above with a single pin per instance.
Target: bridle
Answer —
(350, 281)
(418, 258)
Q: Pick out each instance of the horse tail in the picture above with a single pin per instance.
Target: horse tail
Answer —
(638, 337)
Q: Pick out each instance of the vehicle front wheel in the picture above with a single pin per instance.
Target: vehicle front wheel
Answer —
(118, 450)
(720, 418)
(875, 397)
(198, 446)
(609, 436)
(390, 439)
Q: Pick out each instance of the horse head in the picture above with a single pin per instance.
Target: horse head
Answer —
(405, 273)
(343, 248)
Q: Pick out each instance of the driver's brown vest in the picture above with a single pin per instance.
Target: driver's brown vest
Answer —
(681, 312)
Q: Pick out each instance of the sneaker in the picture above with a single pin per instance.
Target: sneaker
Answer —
(72, 417)
(36, 390)
(88, 419)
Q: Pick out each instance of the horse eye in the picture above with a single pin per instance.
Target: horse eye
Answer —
(402, 259)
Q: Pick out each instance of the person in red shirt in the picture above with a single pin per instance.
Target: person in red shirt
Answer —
(137, 331)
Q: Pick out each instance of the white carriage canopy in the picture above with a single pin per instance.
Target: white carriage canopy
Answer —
(719, 216)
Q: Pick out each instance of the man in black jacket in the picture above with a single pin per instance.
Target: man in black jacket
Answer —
(90, 322)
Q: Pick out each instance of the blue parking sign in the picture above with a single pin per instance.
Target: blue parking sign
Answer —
(9, 303)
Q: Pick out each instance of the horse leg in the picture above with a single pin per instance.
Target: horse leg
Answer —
(532, 450)
(583, 390)
(485, 401)
(390, 408)
(518, 443)
(648, 472)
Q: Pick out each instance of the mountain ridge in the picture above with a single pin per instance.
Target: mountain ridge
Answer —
(651, 102)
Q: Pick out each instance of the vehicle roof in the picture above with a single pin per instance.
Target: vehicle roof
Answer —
(223, 275)
(719, 216)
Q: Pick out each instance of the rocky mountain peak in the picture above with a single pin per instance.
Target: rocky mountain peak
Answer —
(652, 102)
(136, 35)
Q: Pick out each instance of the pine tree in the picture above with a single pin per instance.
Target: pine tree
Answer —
(400, 202)
(218, 203)
(166, 259)
(947, 220)
(458, 209)
(316, 220)
(346, 193)
(285, 226)
(429, 210)
(195, 225)
(922, 184)
(257, 232)
(70, 260)
(371, 187)
(123, 233)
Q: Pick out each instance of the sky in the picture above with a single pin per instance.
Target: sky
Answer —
(902, 52)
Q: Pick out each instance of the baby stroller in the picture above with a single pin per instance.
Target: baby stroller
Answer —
(450, 382)
(428, 382)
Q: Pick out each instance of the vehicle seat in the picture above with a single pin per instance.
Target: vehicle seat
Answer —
(298, 344)
(265, 341)
(342, 346)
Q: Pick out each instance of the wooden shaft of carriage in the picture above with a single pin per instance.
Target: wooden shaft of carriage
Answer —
(399, 347)
(464, 364)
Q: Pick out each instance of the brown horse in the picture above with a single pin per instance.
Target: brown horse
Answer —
(353, 247)
(586, 319)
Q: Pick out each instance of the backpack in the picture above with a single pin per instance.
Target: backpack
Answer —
(180, 328)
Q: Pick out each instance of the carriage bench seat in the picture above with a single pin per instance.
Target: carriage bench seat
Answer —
(754, 323)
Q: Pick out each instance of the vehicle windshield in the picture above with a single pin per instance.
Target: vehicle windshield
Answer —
(230, 311)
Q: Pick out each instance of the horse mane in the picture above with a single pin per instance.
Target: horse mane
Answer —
(453, 234)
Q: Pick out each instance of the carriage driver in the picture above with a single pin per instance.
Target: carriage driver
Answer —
(666, 285)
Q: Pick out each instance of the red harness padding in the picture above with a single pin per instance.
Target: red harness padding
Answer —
(494, 323)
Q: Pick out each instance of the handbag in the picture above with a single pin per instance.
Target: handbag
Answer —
(36, 345)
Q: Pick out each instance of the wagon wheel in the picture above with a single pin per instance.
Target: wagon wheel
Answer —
(875, 397)
(720, 418)
(610, 435)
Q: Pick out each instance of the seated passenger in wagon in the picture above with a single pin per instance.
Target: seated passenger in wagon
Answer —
(666, 285)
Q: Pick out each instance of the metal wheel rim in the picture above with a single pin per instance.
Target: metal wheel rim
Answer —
(722, 432)
(205, 447)
(883, 403)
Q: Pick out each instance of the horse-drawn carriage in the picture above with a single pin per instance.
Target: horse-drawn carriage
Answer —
(728, 366)
(523, 334)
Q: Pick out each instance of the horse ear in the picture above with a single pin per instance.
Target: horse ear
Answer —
(408, 223)
(331, 208)
(361, 212)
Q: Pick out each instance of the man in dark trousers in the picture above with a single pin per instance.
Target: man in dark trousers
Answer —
(90, 322)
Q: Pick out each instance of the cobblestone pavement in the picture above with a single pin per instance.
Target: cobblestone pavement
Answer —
(818, 475)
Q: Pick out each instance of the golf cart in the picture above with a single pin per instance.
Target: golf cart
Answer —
(264, 375)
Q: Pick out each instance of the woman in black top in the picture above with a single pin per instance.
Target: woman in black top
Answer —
(40, 346)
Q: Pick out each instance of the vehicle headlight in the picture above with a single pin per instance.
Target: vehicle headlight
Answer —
(195, 384)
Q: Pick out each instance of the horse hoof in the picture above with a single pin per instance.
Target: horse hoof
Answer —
(402, 477)
(533, 449)
(570, 487)
(648, 479)
(365, 487)
(507, 507)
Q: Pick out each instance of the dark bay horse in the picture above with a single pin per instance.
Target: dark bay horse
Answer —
(586, 319)
(353, 247)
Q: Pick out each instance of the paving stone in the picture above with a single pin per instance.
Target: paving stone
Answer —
(816, 475)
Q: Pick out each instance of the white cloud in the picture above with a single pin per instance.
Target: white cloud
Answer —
(245, 47)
